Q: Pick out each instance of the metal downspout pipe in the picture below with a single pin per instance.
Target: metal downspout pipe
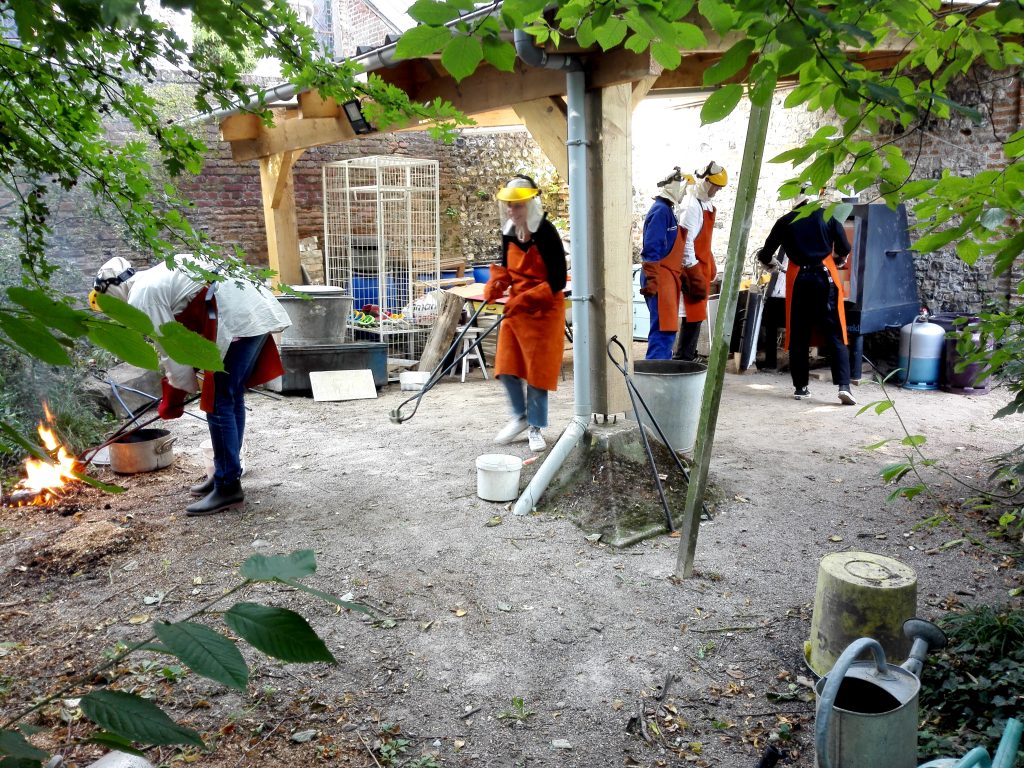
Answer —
(579, 257)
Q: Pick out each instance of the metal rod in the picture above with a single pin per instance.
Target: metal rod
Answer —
(437, 374)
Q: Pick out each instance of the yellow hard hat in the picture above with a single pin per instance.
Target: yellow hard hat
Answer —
(715, 174)
(94, 303)
(518, 189)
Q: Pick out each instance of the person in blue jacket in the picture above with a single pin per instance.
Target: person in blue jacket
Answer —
(662, 263)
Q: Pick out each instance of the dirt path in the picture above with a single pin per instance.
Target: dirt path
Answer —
(483, 613)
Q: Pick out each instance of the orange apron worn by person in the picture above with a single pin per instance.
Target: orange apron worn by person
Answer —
(662, 264)
(699, 270)
(530, 341)
(817, 250)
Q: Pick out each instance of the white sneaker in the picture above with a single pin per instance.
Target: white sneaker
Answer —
(846, 397)
(537, 443)
(511, 431)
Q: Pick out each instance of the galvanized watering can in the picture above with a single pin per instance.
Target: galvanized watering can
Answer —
(867, 710)
(1005, 757)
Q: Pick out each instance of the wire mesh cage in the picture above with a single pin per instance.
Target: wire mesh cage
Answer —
(382, 240)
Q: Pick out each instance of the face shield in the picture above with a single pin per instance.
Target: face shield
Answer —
(520, 191)
(673, 186)
(712, 179)
(113, 279)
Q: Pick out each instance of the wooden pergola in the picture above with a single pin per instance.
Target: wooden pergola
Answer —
(617, 81)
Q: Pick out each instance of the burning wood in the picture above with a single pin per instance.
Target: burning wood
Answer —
(44, 481)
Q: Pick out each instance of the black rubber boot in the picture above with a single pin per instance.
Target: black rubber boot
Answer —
(220, 499)
(202, 488)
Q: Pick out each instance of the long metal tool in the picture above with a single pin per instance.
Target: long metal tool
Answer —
(634, 397)
(441, 369)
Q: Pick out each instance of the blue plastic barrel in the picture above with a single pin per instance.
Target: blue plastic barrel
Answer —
(481, 272)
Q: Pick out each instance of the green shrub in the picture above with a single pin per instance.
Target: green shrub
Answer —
(970, 688)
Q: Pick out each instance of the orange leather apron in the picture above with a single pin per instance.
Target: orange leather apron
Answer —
(200, 316)
(530, 343)
(791, 272)
(698, 310)
(668, 271)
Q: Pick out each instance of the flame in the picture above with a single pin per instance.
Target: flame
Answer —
(45, 478)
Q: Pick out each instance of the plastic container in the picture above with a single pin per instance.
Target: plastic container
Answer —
(673, 390)
(366, 289)
(320, 319)
(497, 476)
(481, 273)
(860, 594)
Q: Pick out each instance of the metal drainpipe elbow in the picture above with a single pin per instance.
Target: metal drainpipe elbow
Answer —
(538, 57)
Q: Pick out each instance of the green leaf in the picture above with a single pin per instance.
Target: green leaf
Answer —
(893, 472)
(993, 218)
(721, 103)
(461, 56)
(763, 79)
(329, 598)
(205, 652)
(36, 339)
(880, 444)
(135, 718)
(666, 54)
(14, 745)
(184, 346)
(519, 11)
(732, 62)
(421, 41)
(914, 440)
(126, 344)
(432, 13)
(296, 565)
(499, 54)
(114, 742)
(688, 36)
(719, 14)
(124, 313)
(611, 33)
(49, 312)
(277, 632)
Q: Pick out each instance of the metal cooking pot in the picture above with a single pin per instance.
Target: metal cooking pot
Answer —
(142, 451)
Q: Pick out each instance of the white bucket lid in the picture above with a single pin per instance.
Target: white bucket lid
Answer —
(322, 289)
(499, 462)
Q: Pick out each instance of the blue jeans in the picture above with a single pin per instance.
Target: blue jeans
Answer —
(526, 400)
(227, 422)
(659, 343)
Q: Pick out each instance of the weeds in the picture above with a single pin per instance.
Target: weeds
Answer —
(973, 686)
(519, 714)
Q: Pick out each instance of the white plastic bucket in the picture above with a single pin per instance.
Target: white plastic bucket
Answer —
(497, 476)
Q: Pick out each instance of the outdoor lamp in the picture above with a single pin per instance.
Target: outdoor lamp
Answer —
(355, 116)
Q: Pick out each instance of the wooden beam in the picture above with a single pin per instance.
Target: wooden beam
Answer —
(278, 191)
(239, 127)
(641, 89)
(545, 120)
(609, 116)
(290, 134)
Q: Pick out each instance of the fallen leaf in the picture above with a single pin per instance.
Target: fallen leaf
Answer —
(458, 744)
(496, 520)
(742, 499)
(424, 626)
(835, 538)
(460, 612)
(139, 618)
(674, 535)
(738, 674)
(593, 537)
(617, 704)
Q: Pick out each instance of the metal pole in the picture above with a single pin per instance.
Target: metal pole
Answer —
(746, 193)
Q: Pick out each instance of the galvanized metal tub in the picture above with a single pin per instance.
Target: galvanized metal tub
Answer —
(320, 316)
(673, 390)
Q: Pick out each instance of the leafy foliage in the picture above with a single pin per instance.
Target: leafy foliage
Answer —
(973, 686)
(128, 719)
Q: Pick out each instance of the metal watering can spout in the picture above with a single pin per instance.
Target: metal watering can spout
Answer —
(878, 718)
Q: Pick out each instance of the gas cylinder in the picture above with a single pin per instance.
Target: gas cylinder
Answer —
(921, 347)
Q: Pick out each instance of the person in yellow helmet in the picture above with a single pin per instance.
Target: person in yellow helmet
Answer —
(530, 346)
(696, 227)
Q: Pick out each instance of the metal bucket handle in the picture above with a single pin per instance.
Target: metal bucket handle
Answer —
(831, 690)
(165, 446)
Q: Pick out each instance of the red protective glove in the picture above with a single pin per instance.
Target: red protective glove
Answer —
(650, 286)
(494, 290)
(172, 404)
(694, 285)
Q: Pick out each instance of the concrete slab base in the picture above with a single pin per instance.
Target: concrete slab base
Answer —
(606, 486)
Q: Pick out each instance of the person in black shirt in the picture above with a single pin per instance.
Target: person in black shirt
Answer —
(817, 249)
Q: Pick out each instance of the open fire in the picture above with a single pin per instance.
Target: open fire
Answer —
(44, 481)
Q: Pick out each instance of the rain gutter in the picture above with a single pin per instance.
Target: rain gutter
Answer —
(576, 144)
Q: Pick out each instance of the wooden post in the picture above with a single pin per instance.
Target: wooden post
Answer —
(746, 192)
(449, 310)
(278, 189)
(610, 117)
